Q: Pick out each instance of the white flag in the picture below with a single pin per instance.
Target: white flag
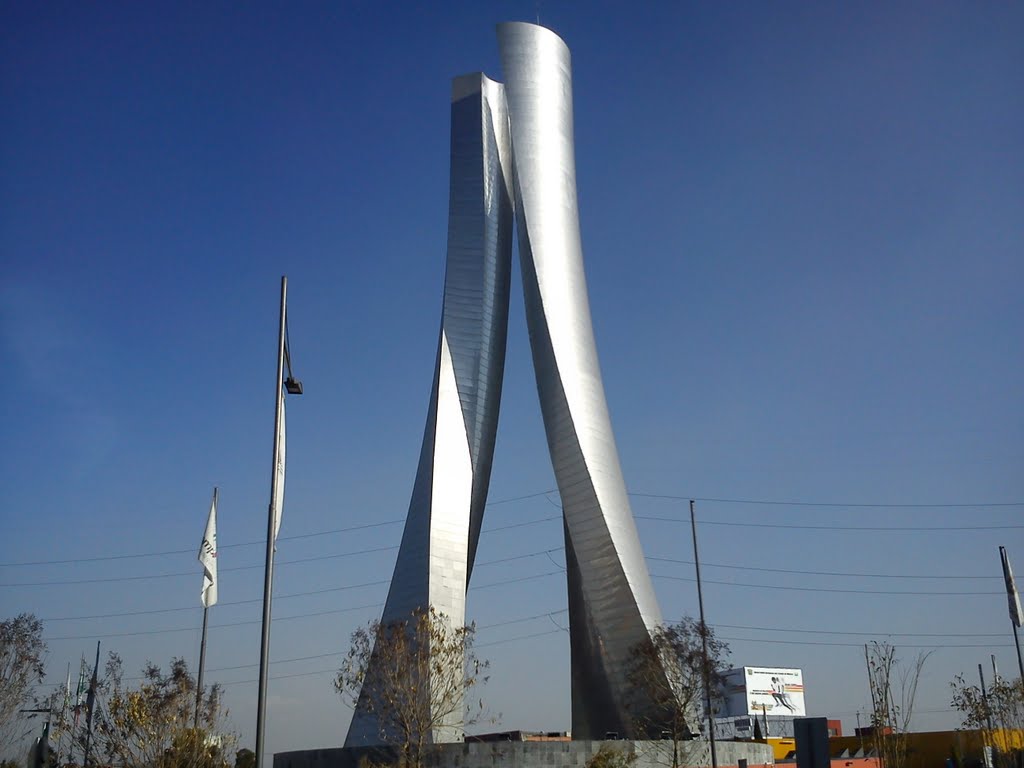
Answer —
(208, 556)
(279, 488)
(1011, 589)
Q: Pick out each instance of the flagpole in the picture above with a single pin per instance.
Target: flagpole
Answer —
(1016, 640)
(63, 714)
(78, 699)
(1014, 600)
(202, 648)
(268, 576)
(91, 705)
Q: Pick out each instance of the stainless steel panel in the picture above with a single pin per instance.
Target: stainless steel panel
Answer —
(443, 524)
(611, 600)
(516, 144)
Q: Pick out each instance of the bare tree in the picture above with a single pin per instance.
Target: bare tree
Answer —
(893, 691)
(21, 669)
(676, 651)
(996, 713)
(151, 725)
(418, 684)
(608, 756)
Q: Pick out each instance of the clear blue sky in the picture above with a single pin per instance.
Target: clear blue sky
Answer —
(803, 227)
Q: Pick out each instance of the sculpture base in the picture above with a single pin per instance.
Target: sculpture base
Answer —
(535, 754)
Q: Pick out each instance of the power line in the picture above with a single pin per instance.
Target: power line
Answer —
(212, 626)
(288, 618)
(824, 589)
(559, 629)
(836, 504)
(852, 645)
(636, 494)
(331, 671)
(520, 637)
(520, 620)
(313, 558)
(233, 602)
(512, 558)
(520, 579)
(178, 574)
(824, 573)
(194, 550)
(334, 671)
(293, 537)
(866, 634)
(788, 526)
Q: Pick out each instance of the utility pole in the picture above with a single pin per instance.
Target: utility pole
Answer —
(704, 642)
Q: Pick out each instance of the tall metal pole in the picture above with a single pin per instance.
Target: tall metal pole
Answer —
(91, 703)
(1016, 640)
(63, 716)
(199, 677)
(984, 698)
(202, 650)
(268, 578)
(704, 643)
(1015, 609)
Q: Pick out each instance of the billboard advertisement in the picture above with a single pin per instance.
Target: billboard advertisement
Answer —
(773, 691)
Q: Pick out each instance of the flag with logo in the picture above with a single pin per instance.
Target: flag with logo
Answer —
(279, 470)
(1012, 595)
(208, 556)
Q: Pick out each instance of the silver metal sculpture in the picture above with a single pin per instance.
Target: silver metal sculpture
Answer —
(521, 137)
(443, 525)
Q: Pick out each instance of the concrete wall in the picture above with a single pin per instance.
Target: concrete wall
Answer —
(535, 754)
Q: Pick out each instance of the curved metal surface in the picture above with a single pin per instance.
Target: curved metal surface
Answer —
(443, 524)
(612, 606)
(515, 144)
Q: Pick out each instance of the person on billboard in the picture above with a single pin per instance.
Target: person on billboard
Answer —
(780, 695)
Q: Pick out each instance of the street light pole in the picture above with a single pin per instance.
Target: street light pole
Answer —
(281, 386)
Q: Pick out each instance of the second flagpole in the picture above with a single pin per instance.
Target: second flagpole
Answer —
(202, 644)
(268, 577)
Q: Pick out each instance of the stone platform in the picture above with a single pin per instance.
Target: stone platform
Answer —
(537, 754)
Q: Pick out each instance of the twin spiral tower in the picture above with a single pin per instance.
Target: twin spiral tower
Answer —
(513, 167)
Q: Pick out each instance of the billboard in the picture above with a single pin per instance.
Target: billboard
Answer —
(765, 691)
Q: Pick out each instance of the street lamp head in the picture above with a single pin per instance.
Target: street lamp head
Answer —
(293, 386)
